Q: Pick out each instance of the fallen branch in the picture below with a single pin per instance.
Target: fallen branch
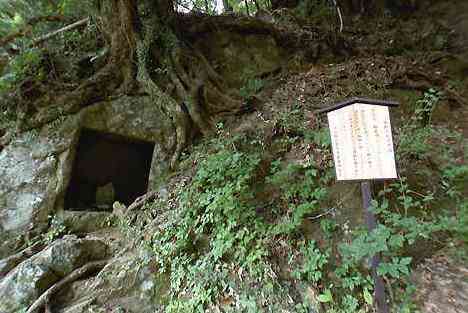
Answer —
(28, 27)
(76, 274)
(59, 31)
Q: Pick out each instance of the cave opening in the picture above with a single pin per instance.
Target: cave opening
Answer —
(107, 168)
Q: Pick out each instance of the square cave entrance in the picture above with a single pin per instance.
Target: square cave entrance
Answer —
(107, 168)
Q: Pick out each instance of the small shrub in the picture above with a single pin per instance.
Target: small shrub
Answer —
(251, 87)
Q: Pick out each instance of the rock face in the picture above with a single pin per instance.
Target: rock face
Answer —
(80, 222)
(241, 56)
(36, 168)
(32, 173)
(442, 286)
(124, 285)
(23, 285)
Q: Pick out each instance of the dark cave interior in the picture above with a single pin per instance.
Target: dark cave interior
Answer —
(107, 168)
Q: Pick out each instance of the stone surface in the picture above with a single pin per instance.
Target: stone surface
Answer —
(36, 167)
(80, 307)
(126, 283)
(32, 172)
(105, 195)
(241, 56)
(23, 285)
(83, 221)
(442, 286)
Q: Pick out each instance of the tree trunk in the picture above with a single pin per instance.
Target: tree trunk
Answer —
(139, 32)
(142, 36)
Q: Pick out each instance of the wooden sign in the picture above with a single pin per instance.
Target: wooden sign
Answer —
(361, 136)
(362, 145)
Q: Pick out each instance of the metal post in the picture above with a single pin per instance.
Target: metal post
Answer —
(379, 289)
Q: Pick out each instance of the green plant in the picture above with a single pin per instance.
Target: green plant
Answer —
(313, 263)
(301, 192)
(27, 64)
(454, 178)
(426, 105)
(416, 133)
(251, 87)
(462, 225)
(218, 218)
(328, 227)
(56, 229)
(402, 226)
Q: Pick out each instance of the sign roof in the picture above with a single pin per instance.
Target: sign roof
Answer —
(357, 100)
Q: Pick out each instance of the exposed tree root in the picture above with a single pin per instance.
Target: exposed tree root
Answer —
(195, 93)
(418, 80)
(141, 201)
(161, 99)
(187, 103)
(73, 276)
(12, 261)
(289, 38)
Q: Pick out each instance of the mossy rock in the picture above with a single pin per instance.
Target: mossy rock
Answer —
(241, 56)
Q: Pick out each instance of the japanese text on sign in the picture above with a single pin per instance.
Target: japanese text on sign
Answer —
(362, 142)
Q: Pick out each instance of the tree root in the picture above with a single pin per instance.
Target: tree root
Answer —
(141, 201)
(424, 85)
(12, 261)
(196, 93)
(73, 276)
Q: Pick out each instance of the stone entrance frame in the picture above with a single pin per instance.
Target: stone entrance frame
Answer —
(129, 118)
(107, 168)
(36, 168)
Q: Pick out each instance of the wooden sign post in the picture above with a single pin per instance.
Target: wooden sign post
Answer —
(361, 136)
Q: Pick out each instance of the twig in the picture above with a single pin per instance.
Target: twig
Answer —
(28, 27)
(59, 31)
(321, 215)
(76, 274)
(338, 10)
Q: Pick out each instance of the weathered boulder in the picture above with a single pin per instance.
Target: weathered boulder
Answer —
(24, 183)
(31, 278)
(32, 172)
